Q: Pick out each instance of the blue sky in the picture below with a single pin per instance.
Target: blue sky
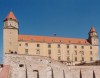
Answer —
(66, 18)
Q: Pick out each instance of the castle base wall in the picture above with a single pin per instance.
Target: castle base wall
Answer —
(22, 66)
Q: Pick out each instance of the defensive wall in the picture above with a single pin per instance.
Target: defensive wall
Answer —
(22, 66)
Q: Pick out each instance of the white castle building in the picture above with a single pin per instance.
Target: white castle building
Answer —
(27, 56)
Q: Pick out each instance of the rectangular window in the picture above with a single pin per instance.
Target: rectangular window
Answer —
(90, 47)
(19, 44)
(82, 52)
(49, 45)
(26, 44)
(58, 45)
(26, 51)
(82, 47)
(68, 59)
(91, 59)
(67, 46)
(59, 58)
(82, 58)
(90, 52)
(49, 52)
(68, 52)
(75, 46)
(38, 45)
(38, 51)
(59, 52)
(75, 52)
(75, 58)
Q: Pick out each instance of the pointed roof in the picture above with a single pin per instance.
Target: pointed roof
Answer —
(92, 29)
(11, 16)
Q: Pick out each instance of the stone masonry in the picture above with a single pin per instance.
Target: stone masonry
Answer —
(22, 66)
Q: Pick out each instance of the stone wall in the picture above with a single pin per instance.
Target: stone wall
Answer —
(22, 66)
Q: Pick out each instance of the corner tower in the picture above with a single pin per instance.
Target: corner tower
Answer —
(10, 34)
(93, 37)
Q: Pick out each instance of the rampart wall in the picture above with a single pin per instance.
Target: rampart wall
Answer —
(22, 66)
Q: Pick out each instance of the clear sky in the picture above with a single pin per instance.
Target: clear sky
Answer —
(66, 18)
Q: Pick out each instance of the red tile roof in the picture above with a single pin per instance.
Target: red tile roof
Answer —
(11, 16)
(92, 29)
(5, 72)
(49, 39)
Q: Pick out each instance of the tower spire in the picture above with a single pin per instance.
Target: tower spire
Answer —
(93, 37)
(92, 29)
(10, 16)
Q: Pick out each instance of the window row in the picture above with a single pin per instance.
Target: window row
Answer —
(49, 46)
(59, 52)
(75, 58)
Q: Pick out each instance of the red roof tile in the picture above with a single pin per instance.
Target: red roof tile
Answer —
(49, 39)
(11, 16)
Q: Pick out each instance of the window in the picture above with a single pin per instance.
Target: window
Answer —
(26, 51)
(38, 45)
(49, 45)
(59, 52)
(59, 57)
(26, 44)
(68, 59)
(82, 47)
(67, 46)
(82, 52)
(75, 52)
(75, 46)
(82, 58)
(90, 52)
(49, 52)
(19, 44)
(38, 51)
(58, 45)
(90, 47)
(91, 59)
(68, 52)
(75, 58)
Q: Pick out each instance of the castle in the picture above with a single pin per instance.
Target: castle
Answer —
(27, 56)
(57, 48)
